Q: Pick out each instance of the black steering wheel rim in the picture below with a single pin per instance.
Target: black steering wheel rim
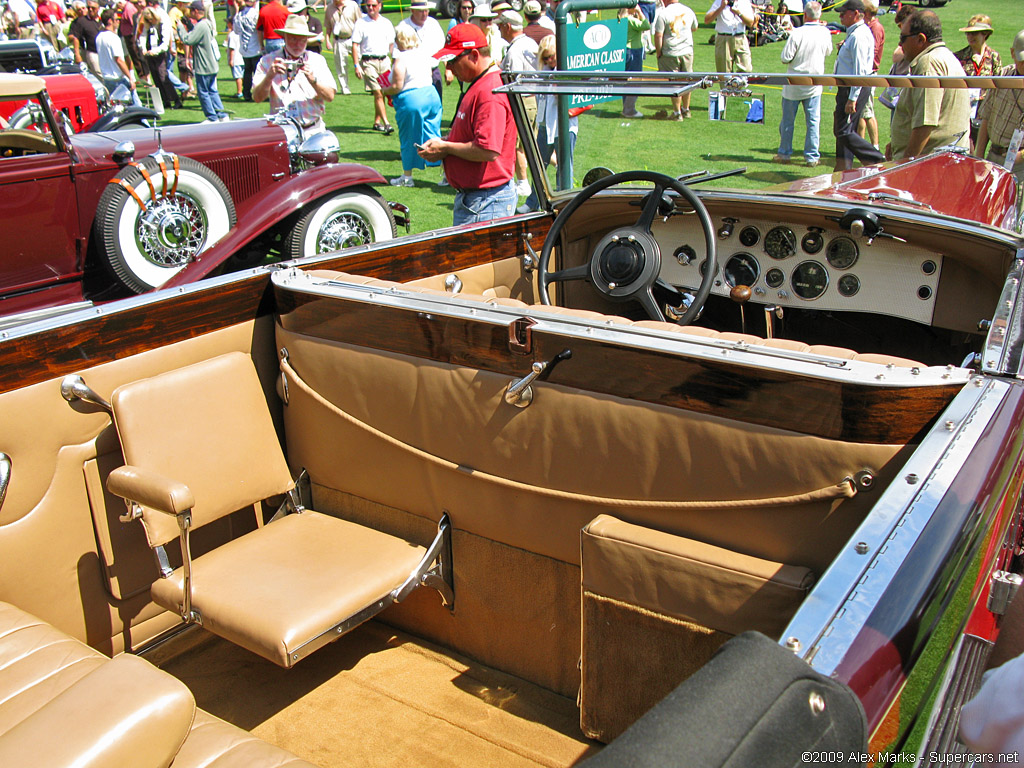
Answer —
(661, 182)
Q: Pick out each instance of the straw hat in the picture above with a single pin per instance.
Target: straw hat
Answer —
(975, 24)
(296, 25)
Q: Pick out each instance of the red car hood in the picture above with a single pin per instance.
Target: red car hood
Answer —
(949, 183)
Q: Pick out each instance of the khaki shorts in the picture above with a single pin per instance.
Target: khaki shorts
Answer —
(530, 106)
(869, 108)
(676, 63)
(732, 53)
(372, 69)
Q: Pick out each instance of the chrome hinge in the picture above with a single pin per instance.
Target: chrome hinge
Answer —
(520, 339)
(1003, 587)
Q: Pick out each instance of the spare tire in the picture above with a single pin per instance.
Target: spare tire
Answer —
(151, 222)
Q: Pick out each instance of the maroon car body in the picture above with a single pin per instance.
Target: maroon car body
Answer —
(51, 199)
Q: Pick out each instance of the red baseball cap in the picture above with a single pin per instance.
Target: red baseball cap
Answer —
(461, 38)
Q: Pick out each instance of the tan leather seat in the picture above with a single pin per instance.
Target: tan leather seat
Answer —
(200, 444)
(63, 703)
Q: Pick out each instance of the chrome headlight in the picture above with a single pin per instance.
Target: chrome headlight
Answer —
(320, 148)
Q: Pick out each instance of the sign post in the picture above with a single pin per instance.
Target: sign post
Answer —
(597, 46)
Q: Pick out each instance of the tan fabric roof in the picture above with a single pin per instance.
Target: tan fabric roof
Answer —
(20, 85)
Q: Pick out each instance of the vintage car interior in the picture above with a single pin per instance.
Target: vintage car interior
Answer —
(594, 497)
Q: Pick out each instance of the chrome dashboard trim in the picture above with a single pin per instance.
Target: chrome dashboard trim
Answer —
(839, 605)
(1002, 351)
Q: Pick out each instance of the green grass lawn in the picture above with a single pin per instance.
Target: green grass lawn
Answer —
(606, 138)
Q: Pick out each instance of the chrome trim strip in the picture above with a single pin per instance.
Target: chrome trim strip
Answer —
(838, 606)
(1002, 351)
(700, 347)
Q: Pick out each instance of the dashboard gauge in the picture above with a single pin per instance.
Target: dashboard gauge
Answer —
(685, 255)
(749, 236)
(813, 242)
(780, 243)
(774, 277)
(810, 279)
(842, 253)
(741, 269)
(848, 285)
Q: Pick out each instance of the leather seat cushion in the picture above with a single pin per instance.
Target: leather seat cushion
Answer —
(275, 588)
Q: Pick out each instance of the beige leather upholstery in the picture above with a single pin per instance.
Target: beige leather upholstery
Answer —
(203, 435)
(686, 579)
(64, 704)
(165, 425)
(665, 327)
(277, 587)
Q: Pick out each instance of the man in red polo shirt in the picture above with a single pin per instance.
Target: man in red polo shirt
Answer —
(479, 153)
(272, 18)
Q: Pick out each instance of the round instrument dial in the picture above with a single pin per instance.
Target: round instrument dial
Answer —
(774, 277)
(741, 269)
(842, 253)
(749, 236)
(848, 285)
(812, 242)
(780, 243)
(810, 279)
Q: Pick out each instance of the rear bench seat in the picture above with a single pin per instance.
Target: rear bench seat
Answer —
(63, 703)
(684, 330)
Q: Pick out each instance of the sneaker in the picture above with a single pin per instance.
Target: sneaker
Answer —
(378, 127)
(388, 129)
(443, 182)
(345, 91)
(678, 116)
(240, 96)
(784, 159)
(633, 115)
(686, 114)
(401, 181)
(811, 163)
(225, 119)
(523, 188)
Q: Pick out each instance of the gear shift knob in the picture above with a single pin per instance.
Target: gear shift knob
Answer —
(740, 294)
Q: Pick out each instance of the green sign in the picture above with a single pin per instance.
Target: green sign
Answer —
(597, 46)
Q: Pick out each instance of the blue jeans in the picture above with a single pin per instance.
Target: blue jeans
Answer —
(634, 63)
(485, 204)
(114, 82)
(272, 44)
(812, 112)
(209, 98)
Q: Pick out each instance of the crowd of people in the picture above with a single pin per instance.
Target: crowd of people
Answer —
(276, 53)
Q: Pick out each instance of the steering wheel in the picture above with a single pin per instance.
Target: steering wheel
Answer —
(626, 263)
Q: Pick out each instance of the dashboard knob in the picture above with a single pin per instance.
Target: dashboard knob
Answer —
(740, 294)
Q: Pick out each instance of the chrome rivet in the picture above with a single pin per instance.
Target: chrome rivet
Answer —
(862, 548)
(949, 426)
(794, 644)
(612, 286)
(615, 238)
(915, 371)
(912, 479)
(817, 703)
(631, 239)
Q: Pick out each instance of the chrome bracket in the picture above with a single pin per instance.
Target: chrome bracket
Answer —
(73, 387)
(134, 512)
(6, 465)
(1003, 587)
(770, 315)
(163, 563)
(453, 284)
(520, 339)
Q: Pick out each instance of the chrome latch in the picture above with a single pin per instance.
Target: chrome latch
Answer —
(1003, 587)
(530, 258)
(452, 284)
(283, 354)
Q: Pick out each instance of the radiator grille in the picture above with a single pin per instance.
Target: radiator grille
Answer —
(240, 173)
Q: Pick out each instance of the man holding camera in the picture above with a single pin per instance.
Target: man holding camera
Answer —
(731, 17)
(296, 80)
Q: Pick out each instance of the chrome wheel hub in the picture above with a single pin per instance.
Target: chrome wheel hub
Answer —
(343, 230)
(171, 231)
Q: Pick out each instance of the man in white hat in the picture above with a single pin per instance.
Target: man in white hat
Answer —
(430, 35)
(1002, 118)
(373, 42)
(296, 80)
(483, 17)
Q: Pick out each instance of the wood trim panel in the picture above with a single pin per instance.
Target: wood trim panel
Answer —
(851, 412)
(116, 334)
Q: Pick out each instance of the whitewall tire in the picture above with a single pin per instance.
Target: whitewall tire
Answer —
(352, 217)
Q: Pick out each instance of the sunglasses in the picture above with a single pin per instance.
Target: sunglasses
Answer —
(904, 38)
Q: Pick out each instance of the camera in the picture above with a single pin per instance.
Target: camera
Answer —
(292, 66)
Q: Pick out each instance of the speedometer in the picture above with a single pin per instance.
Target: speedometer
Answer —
(810, 279)
(741, 269)
(780, 243)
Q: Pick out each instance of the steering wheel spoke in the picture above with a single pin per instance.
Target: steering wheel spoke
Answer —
(582, 272)
(650, 209)
(650, 304)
